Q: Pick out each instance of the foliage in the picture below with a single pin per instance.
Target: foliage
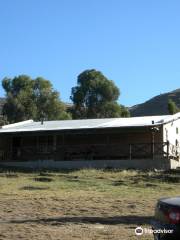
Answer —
(3, 120)
(125, 112)
(28, 98)
(172, 108)
(95, 96)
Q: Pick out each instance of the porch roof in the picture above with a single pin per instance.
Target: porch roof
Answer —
(31, 126)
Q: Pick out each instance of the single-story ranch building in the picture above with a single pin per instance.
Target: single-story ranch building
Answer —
(138, 142)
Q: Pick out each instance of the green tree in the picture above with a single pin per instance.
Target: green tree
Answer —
(172, 108)
(31, 99)
(95, 96)
(3, 120)
(47, 101)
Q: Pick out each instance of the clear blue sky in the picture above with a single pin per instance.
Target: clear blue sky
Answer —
(136, 43)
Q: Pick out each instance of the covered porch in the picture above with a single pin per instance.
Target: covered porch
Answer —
(94, 144)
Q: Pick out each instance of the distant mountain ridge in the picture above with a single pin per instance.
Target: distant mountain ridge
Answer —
(157, 105)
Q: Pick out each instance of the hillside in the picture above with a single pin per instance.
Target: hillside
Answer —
(156, 105)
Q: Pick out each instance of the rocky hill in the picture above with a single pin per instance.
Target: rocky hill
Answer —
(156, 105)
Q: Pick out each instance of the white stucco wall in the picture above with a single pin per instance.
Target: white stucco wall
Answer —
(169, 132)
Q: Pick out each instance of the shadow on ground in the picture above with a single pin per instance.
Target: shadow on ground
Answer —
(168, 177)
(130, 219)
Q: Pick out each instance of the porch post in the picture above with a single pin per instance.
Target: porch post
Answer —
(54, 146)
(54, 142)
(130, 151)
(167, 149)
(153, 131)
(153, 145)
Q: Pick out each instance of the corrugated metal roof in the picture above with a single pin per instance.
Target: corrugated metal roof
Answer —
(30, 125)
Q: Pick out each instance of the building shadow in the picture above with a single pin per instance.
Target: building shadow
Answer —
(129, 219)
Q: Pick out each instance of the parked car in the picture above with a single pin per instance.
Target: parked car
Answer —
(166, 222)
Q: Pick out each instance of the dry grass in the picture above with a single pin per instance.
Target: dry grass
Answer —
(84, 204)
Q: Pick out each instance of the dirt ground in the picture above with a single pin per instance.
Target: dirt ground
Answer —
(80, 205)
(69, 218)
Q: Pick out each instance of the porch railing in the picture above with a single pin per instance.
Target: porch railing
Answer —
(92, 152)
